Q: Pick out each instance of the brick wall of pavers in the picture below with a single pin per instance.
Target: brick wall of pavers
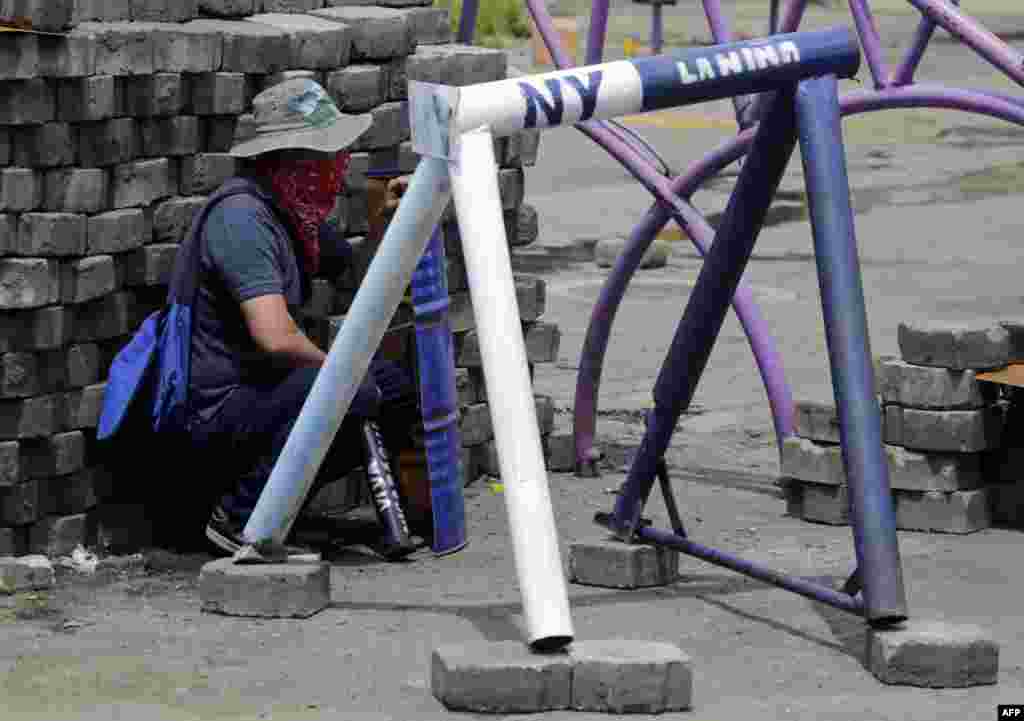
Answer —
(953, 443)
(111, 136)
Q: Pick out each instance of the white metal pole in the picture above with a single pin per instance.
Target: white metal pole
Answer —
(349, 357)
(510, 393)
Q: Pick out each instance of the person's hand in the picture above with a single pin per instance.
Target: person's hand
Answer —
(396, 189)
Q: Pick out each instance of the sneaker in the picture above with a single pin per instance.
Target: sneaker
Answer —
(226, 534)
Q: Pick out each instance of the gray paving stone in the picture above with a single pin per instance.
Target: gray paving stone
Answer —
(958, 512)
(27, 102)
(954, 345)
(109, 317)
(288, 6)
(892, 425)
(108, 142)
(76, 190)
(560, 450)
(27, 573)
(282, 590)
(19, 505)
(377, 33)
(83, 365)
(429, 25)
(74, 493)
(608, 250)
(8, 233)
(933, 388)
(121, 527)
(42, 14)
(908, 470)
(28, 283)
(122, 48)
(59, 535)
(316, 43)
(118, 231)
(520, 150)
(14, 541)
(500, 677)
(816, 421)
(475, 424)
(100, 10)
(10, 465)
(531, 296)
(248, 47)
(611, 563)
(218, 93)
(97, 97)
(825, 504)
(84, 279)
(630, 677)
(933, 654)
(171, 137)
(186, 48)
(51, 234)
(142, 183)
(160, 94)
(30, 418)
(164, 11)
(151, 265)
(25, 374)
(951, 431)
(58, 455)
(20, 189)
(228, 8)
(173, 218)
(358, 88)
(389, 128)
(81, 408)
(220, 133)
(396, 81)
(44, 146)
(205, 172)
(1015, 328)
(456, 64)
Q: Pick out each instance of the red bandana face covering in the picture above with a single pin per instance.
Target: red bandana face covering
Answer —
(307, 190)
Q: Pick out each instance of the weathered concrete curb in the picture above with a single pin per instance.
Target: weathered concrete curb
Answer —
(933, 654)
(615, 564)
(278, 590)
(608, 676)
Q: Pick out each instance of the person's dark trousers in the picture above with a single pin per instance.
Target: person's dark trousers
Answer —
(245, 438)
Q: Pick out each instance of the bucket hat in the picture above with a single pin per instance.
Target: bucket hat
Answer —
(298, 114)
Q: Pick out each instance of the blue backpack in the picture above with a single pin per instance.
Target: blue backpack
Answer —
(149, 377)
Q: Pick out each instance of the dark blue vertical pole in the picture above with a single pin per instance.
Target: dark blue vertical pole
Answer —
(842, 296)
(705, 312)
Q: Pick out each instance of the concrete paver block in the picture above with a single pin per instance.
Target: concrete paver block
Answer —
(933, 654)
(951, 431)
(108, 142)
(30, 417)
(958, 512)
(59, 535)
(377, 33)
(358, 88)
(278, 590)
(526, 226)
(27, 573)
(76, 190)
(614, 564)
(27, 102)
(52, 234)
(429, 25)
(20, 189)
(10, 465)
(954, 345)
(171, 137)
(50, 145)
(816, 421)
(561, 452)
(500, 677)
(826, 504)
(28, 282)
(608, 250)
(122, 48)
(98, 97)
(118, 231)
(630, 677)
(161, 94)
(932, 388)
(316, 43)
(142, 183)
(81, 408)
(173, 218)
(84, 279)
(248, 46)
(40, 329)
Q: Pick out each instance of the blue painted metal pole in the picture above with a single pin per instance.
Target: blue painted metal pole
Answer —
(873, 515)
(467, 21)
(657, 28)
(439, 401)
(705, 312)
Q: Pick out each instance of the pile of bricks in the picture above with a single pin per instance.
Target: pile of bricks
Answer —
(946, 434)
(111, 136)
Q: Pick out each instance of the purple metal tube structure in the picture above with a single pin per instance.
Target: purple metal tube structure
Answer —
(597, 32)
(467, 21)
(873, 514)
(870, 42)
(709, 302)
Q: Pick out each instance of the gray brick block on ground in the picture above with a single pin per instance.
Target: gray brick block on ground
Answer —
(500, 677)
(157, 95)
(30, 374)
(21, 189)
(28, 283)
(430, 25)
(10, 464)
(908, 470)
(933, 654)
(288, 6)
(396, 81)
(608, 250)
(560, 448)
(1015, 328)
(14, 541)
(27, 102)
(248, 47)
(358, 88)
(108, 142)
(31, 418)
(52, 234)
(816, 421)
(525, 228)
(465, 389)
(456, 64)
(108, 317)
(122, 48)
(19, 505)
(41, 14)
(205, 172)
(316, 43)
(76, 190)
(220, 133)
(228, 8)
(142, 183)
(8, 233)
(83, 364)
(49, 145)
(932, 388)
(475, 425)
(218, 93)
(630, 677)
(171, 137)
(81, 408)
(59, 535)
(892, 424)
(531, 296)
(282, 590)
(958, 512)
(27, 573)
(151, 265)
(164, 11)
(84, 279)
(118, 231)
(949, 431)
(377, 33)
(614, 564)
(27, 56)
(77, 492)
(957, 346)
(89, 99)
(390, 126)
(521, 149)
(511, 186)
(186, 48)
(820, 503)
(173, 218)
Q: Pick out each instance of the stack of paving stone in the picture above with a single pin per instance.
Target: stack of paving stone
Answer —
(111, 137)
(941, 426)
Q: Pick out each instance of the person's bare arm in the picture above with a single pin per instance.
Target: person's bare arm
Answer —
(275, 332)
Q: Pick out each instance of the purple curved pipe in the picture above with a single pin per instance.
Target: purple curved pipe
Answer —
(467, 21)
(598, 333)
(754, 324)
(597, 32)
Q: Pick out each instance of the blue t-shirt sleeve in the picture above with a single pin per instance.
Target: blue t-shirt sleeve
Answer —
(245, 250)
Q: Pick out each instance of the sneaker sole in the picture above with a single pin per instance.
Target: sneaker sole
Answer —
(221, 541)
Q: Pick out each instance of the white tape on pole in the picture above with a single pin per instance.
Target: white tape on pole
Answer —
(513, 410)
